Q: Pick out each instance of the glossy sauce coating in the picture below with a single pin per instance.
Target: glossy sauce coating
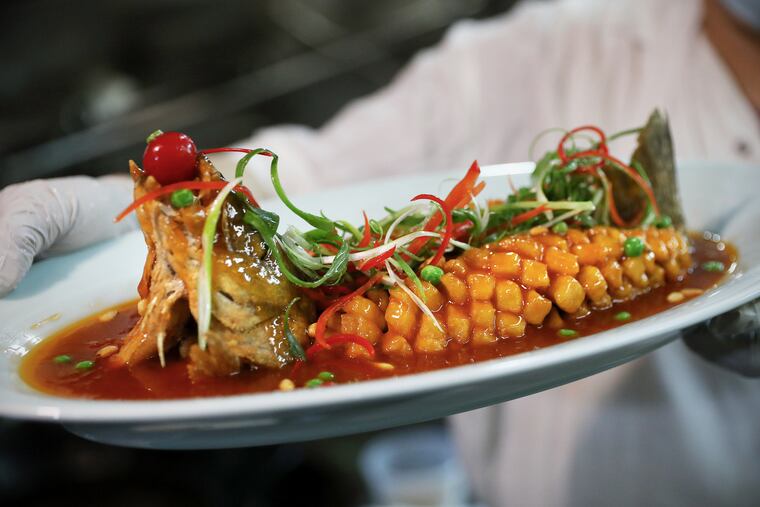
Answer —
(147, 380)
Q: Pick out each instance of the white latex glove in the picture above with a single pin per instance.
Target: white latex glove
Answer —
(49, 217)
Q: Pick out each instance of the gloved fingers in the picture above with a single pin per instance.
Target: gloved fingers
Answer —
(54, 216)
(730, 340)
(15, 260)
(90, 209)
(27, 227)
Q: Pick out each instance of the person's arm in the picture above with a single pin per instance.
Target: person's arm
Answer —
(460, 100)
(453, 103)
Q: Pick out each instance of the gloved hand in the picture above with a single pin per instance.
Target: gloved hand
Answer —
(730, 340)
(49, 217)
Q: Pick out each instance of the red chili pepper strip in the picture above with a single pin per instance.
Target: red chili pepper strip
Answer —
(561, 147)
(588, 169)
(630, 170)
(374, 262)
(248, 195)
(449, 225)
(336, 290)
(638, 179)
(339, 339)
(524, 217)
(459, 196)
(600, 153)
(330, 248)
(232, 150)
(181, 185)
(603, 153)
(319, 336)
(478, 188)
(613, 208)
(367, 237)
(295, 369)
(633, 173)
(317, 295)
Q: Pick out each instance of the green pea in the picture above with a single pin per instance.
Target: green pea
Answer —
(623, 316)
(326, 375)
(432, 274)
(63, 358)
(182, 198)
(586, 221)
(714, 266)
(84, 365)
(633, 247)
(663, 222)
(315, 382)
(560, 228)
(567, 333)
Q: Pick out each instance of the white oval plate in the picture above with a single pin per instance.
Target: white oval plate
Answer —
(716, 197)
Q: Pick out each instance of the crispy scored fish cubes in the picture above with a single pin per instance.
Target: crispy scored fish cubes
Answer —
(494, 292)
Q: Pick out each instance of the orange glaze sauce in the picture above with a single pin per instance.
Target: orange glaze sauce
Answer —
(147, 380)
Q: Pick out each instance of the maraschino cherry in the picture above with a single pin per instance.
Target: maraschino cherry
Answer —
(170, 157)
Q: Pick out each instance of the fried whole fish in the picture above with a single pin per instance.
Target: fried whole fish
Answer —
(249, 292)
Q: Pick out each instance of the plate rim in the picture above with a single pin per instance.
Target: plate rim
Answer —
(744, 286)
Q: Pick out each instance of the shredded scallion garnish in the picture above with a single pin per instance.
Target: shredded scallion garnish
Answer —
(295, 347)
(207, 245)
(395, 280)
(398, 262)
(570, 187)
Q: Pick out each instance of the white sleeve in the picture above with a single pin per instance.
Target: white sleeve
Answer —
(449, 105)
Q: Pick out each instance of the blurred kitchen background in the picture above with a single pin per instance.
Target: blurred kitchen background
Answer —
(81, 86)
(84, 82)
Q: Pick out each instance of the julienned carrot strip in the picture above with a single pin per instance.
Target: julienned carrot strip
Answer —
(524, 217)
(319, 335)
(338, 339)
(182, 185)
